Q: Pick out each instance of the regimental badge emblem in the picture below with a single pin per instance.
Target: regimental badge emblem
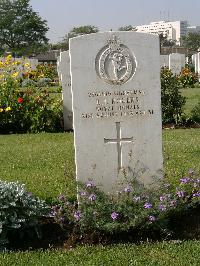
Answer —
(115, 63)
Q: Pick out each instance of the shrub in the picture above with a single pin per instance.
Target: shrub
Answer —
(27, 110)
(195, 113)
(171, 99)
(133, 208)
(44, 74)
(19, 210)
(187, 77)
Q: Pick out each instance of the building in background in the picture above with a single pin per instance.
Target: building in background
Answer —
(193, 29)
(173, 30)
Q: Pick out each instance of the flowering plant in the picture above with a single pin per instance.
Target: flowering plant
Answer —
(187, 78)
(25, 110)
(43, 73)
(134, 207)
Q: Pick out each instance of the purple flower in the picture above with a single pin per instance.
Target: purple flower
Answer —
(152, 218)
(89, 184)
(136, 199)
(77, 215)
(162, 198)
(127, 189)
(197, 194)
(147, 205)
(162, 207)
(114, 215)
(92, 197)
(62, 219)
(83, 193)
(180, 193)
(185, 180)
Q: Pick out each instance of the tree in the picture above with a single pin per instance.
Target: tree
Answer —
(76, 31)
(165, 42)
(191, 41)
(22, 30)
(171, 98)
(126, 28)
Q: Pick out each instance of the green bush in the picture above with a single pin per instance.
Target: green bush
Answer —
(19, 210)
(171, 99)
(195, 113)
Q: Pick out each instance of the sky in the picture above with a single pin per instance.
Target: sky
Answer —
(63, 15)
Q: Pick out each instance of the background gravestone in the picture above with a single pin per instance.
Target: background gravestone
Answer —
(164, 60)
(176, 63)
(196, 62)
(116, 107)
(63, 66)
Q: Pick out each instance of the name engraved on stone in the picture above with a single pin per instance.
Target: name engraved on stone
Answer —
(115, 63)
(119, 140)
(117, 104)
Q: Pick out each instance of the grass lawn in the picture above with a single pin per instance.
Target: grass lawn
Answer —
(192, 98)
(45, 162)
(164, 253)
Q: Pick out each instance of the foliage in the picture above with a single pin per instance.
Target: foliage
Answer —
(133, 208)
(195, 113)
(126, 28)
(76, 31)
(187, 78)
(191, 41)
(25, 110)
(44, 74)
(22, 30)
(18, 209)
(165, 42)
(171, 99)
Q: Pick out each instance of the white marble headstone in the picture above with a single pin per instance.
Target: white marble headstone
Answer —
(176, 63)
(164, 60)
(63, 66)
(196, 62)
(116, 101)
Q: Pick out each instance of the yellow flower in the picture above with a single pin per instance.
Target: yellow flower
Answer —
(16, 63)
(8, 109)
(9, 57)
(1, 110)
(27, 65)
(41, 76)
(14, 75)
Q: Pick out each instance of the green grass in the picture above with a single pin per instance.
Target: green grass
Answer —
(164, 253)
(192, 98)
(45, 162)
(181, 149)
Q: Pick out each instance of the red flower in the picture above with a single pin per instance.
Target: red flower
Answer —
(20, 100)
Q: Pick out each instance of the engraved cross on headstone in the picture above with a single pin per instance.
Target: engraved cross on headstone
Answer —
(119, 140)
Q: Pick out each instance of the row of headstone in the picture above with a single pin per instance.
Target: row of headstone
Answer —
(196, 63)
(175, 62)
(63, 67)
(114, 79)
